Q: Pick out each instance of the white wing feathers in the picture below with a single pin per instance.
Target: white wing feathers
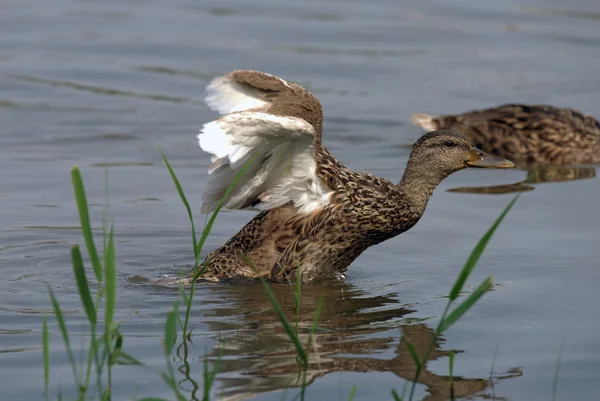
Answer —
(283, 168)
(227, 96)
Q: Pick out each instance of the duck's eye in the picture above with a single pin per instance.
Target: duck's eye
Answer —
(450, 144)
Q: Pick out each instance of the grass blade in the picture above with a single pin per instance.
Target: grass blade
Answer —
(297, 296)
(200, 244)
(126, 359)
(171, 329)
(84, 217)
(352, 393)
(186, 204)
(198, 248)
(477, 251)
(82, 285)
(451, 378)
(110, 277)
(320, 304)
(466, 305)
(209, 377)
(313, 328)
(65, 334)
(184, 295)
(117, 341)
(413, 352)
(169, 343)
(556, 371)
(491, 379)
(396, 396)
(189, 299)
(211, 221)
(286, 325)
(46, 352)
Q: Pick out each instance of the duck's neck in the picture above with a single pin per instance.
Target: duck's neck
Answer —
(419, 182)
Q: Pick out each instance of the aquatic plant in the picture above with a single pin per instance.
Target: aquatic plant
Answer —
(105, 349)
(449, 318)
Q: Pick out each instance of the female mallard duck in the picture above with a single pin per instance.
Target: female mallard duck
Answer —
(529, 133)
(318, 215)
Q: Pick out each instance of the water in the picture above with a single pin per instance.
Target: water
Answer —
(106, 83)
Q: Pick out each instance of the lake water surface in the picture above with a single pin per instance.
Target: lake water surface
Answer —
(107, 83)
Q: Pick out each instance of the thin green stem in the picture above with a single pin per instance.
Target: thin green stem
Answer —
(93, 354)
(46, 354)
(297, 296)
(451, 369)
(205, 232)
(185, 203)
(65, 335)
(425, 357)
(556, 371)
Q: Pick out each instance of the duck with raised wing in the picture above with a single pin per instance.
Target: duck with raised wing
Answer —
(528, 133)
(318, 215)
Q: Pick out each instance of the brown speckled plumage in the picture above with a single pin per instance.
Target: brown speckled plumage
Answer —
(529, 133)
(363, 209)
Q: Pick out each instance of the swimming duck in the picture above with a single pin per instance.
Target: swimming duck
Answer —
(318, 215)
(528, 133)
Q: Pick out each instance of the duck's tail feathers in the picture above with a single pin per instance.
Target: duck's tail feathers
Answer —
(425, 121)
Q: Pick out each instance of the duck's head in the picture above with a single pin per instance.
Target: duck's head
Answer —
(447, 151)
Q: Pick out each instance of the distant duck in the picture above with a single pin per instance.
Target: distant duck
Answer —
(318, 215)
(527, 133)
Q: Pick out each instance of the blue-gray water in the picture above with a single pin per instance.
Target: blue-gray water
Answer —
(95, 83)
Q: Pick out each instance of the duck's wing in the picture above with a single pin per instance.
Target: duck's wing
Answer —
(244, 90)
(267, 122)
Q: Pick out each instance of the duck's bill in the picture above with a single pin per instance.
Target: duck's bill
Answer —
(479, 158)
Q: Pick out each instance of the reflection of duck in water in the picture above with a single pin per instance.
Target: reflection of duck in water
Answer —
(545, 135)
(528, 133)
(356, 333)
(319, 214)
(537, 174)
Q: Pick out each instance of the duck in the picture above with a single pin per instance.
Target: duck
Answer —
(316, 215)
(525, 133)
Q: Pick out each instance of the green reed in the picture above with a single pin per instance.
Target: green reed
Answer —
(198, 246)
(449, 318)
(188, 298)
(451, 375)
(105, 351)
(352, 393)
(46, 354)
(556, 371)
(301, 351)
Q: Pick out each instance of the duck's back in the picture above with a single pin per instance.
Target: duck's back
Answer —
(530, 133)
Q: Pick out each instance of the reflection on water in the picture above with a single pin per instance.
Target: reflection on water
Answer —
(101, 90)
(356, 332)
(536, 174)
